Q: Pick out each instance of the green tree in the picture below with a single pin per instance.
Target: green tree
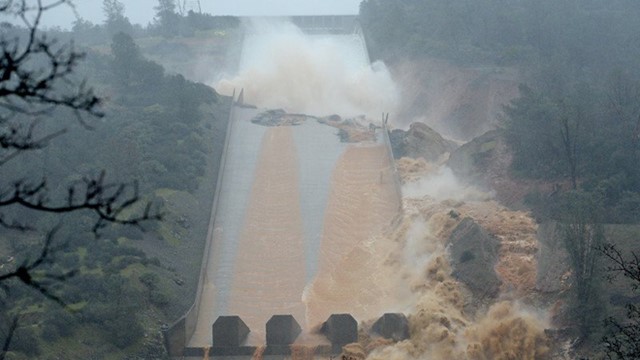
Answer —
(623, 92)
(132, 71)
(125, 55)
(37, 79)
(115, 21)
(570, 135)
(87, 33)
(549, 136)
(167, 20)
(531, 130)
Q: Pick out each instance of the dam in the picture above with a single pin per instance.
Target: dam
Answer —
(303, 192)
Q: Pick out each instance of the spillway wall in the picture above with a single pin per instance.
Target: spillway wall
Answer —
(316, 149)
(177, 334)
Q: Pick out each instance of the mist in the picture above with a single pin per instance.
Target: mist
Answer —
(443, 323)
(497, 214)
(282, 67)
(142, 11)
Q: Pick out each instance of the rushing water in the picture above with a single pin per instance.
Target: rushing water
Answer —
(281, 67)
(309, 225)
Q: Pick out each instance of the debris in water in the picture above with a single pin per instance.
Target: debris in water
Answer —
(352, 352)
(259, 353)
(302, 352)
(440, 326)
(351, 130)
(278, 117)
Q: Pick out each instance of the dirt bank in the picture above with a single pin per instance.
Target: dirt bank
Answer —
(458, 102)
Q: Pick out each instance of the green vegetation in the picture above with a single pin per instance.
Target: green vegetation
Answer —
(533, 32)
(575, 126)
(106, 297)
(577, 121)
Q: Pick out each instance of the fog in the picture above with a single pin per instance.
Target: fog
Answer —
(401, 266)
(142, 12)
(282, 67)
(485, 215)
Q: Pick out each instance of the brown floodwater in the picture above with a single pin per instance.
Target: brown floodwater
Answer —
(362, 203)
(269, 273)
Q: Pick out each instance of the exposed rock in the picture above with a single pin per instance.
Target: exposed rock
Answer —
(472, 159)
(474, 254)
(485, 161)
(420, 141)
(460, 102)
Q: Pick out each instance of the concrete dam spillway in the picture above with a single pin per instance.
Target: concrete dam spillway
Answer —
(299, 203)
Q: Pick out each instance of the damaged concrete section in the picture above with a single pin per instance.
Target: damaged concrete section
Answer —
(392, 326)
(340, 329)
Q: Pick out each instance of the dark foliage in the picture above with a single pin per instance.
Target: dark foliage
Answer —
(38, 79)
(144, 125)
(577, 120)
(623, 339)
(504, 32)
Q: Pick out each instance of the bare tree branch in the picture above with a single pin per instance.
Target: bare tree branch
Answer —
(13, 224)
(35, 91)
(623, 340)
(27, 271)
(38, 76)
(106, 200)
(8, 337)
(628, 267)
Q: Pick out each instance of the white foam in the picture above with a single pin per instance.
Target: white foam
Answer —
(281, 67)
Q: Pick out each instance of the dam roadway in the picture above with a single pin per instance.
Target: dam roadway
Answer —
(299, 202)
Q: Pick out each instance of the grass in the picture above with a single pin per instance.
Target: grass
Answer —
(82, 253)
(77, 306)
(87, 342)
(167, 233)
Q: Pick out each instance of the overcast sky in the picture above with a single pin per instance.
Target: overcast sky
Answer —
(141, 11)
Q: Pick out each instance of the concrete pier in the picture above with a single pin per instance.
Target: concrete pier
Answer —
(295, 206)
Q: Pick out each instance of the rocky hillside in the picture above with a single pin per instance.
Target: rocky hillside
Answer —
(458, 102)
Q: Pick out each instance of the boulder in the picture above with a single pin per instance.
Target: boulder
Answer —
(474, 254)
(473, 158)
(420, 141)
